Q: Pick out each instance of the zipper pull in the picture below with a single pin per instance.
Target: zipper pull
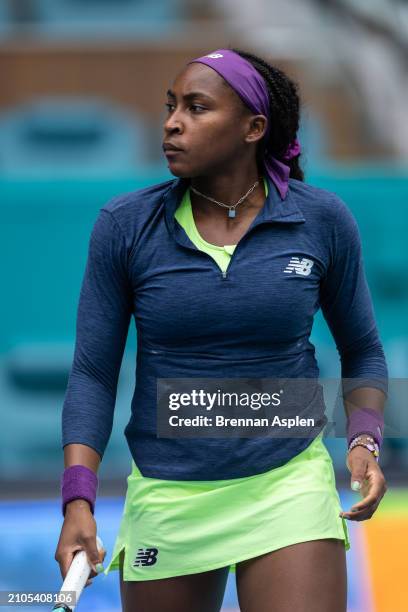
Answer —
(224, 273)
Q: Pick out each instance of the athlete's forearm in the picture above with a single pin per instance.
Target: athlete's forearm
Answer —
(81, 454)
(364, 397)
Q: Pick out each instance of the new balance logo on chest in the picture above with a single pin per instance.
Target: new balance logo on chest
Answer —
(303, 266)
(146, 556)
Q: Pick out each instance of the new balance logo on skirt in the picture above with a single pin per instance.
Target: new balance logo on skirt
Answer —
(299, 266)
(146, 556)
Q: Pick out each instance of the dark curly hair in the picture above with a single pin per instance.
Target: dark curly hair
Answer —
(284, 112)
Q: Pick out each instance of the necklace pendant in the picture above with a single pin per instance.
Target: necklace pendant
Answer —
(231, 212)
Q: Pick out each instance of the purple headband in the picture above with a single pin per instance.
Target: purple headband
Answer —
(251, 87)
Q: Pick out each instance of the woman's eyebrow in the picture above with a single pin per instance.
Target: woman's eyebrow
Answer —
(191, 95)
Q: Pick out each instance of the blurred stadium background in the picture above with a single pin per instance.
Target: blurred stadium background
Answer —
(81, 111)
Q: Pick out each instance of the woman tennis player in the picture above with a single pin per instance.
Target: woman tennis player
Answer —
(223, 269)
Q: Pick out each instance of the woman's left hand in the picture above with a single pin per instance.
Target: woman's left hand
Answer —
(366, 471)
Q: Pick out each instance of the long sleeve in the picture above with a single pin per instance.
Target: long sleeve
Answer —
(103, 317)
(346, 305)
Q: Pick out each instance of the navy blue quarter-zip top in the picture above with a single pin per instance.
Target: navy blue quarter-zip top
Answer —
(194, 321)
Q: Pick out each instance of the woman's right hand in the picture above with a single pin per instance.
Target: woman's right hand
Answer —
(78, 533)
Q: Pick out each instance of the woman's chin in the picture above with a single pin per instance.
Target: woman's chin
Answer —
(178, 170)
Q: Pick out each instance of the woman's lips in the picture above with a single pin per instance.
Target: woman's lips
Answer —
(172, 152)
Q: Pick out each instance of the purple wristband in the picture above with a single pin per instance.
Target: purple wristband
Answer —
(78, 482)
(365, 420)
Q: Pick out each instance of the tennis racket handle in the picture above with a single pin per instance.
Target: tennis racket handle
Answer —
(77, 576)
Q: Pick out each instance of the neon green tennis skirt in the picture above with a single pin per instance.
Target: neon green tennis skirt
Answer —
(172, 527)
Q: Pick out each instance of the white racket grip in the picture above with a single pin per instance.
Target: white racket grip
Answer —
(78, 573)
